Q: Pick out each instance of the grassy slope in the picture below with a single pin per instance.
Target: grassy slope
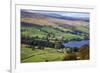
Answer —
(34, 31)
(50, 54)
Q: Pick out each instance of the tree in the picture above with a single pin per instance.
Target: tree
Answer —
(69, 56)
(59, 43)
(84, 52)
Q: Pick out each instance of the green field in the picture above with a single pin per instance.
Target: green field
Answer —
(42, 31)
(51, 54)
(36, 55)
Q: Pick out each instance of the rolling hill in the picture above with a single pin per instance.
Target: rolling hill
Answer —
(40, 24)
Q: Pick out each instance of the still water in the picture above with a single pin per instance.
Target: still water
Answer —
(77, 44)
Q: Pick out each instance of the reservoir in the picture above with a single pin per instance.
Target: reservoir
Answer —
(77, 44)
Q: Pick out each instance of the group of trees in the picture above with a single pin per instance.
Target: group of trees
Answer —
(41, 43)
(81, 53)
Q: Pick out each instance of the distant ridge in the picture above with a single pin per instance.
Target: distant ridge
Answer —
(53, 15)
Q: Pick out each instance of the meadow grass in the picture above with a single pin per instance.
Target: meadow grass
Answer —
(36, 55)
